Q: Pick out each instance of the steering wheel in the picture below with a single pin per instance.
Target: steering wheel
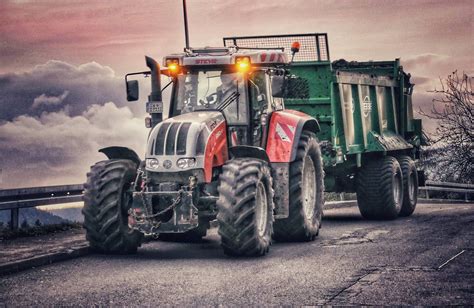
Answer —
(210, 100)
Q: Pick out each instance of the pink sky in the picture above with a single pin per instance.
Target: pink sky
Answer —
(118, 33)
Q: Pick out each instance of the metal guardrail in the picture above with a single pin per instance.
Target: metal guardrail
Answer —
(15, 199)
(466, 189)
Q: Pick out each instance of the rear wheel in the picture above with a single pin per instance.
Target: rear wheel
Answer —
(410, 185)
(107, 199)
(380, 189)
(306, 193)
(245, 207)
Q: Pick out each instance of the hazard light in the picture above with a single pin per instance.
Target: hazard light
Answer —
(295, 47)
(242, 63)
(173, 65)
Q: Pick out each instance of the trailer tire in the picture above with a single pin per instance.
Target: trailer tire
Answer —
(410, 185)
(245, 207)
(380, 189)
(106, 204)
(305, 213)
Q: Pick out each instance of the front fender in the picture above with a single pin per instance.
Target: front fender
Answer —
(121, 153)
(284, 133)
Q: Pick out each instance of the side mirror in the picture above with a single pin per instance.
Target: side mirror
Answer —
(132, 90)
(278, 86)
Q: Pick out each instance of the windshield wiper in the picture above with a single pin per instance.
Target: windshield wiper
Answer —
(227, 101)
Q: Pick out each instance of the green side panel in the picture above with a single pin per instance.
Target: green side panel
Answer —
(316, 102)
(361, 107)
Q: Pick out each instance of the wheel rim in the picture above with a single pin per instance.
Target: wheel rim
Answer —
(261, 214)
(308, 187)
(397, 189)
(411, 187)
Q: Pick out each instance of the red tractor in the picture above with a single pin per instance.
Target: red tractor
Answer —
(223, 148)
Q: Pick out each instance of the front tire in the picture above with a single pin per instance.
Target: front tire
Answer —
(245, 207)
(107, 200)
(380, 189)
(410, 185)
(306, 193)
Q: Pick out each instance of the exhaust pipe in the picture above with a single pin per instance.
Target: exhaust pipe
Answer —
(155, 94)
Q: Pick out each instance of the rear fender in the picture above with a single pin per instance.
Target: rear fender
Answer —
(248, 151)
(121, 153)
(284, 133)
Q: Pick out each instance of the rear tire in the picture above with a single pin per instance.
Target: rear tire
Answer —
(410, 185)
(106, 203)
(380, 189)
(245, 207)
(306, 193)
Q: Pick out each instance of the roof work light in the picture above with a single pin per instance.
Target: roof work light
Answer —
(172, 65)
(242, 63)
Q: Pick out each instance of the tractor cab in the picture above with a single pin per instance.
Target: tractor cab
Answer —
(237, 84)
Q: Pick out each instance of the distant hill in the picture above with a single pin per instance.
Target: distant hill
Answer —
(31, 215)
(72, 214)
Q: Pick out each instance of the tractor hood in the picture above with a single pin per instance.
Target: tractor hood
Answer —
(185, 136)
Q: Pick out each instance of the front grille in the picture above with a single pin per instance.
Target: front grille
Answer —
(171, 139)
(182, 139)
(160, 139)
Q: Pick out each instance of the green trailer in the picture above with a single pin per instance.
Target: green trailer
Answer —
(368, 136)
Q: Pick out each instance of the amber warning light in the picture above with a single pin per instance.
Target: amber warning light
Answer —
(242, 63)
(295, 47)
(173, 65)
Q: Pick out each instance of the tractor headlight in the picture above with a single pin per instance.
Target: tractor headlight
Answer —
(152, 163)
(186, 163)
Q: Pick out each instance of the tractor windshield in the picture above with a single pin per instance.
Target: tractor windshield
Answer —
(212, 90)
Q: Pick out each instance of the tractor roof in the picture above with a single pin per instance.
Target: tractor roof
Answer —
(223, 56)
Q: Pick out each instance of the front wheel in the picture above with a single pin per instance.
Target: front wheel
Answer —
(306, 193)
(245, 207)
(107, 199)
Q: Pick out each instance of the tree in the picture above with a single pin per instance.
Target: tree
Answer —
(453, 109)
(38, 223)
(24, 224)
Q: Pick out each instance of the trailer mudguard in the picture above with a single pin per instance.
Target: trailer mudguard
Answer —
(284, 133)
(121, 153)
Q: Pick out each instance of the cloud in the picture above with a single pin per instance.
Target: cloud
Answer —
(44, 99)
(56, 148)
(52, 86)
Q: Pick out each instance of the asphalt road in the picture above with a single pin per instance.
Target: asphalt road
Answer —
(353, 261)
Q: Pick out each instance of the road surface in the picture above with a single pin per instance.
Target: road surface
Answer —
(425, 259)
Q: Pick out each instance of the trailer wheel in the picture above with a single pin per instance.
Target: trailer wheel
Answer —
(380, 189)
(410, 185)
(245, 207)
(106, 202)
(306, 193)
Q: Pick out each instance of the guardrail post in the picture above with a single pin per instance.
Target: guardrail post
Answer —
(14, 217)
(465, 197)
(427, 194)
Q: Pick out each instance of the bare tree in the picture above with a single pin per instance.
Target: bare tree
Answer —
(453, 109)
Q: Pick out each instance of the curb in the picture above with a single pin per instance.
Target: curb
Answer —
(339, 204)
(45, 259)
